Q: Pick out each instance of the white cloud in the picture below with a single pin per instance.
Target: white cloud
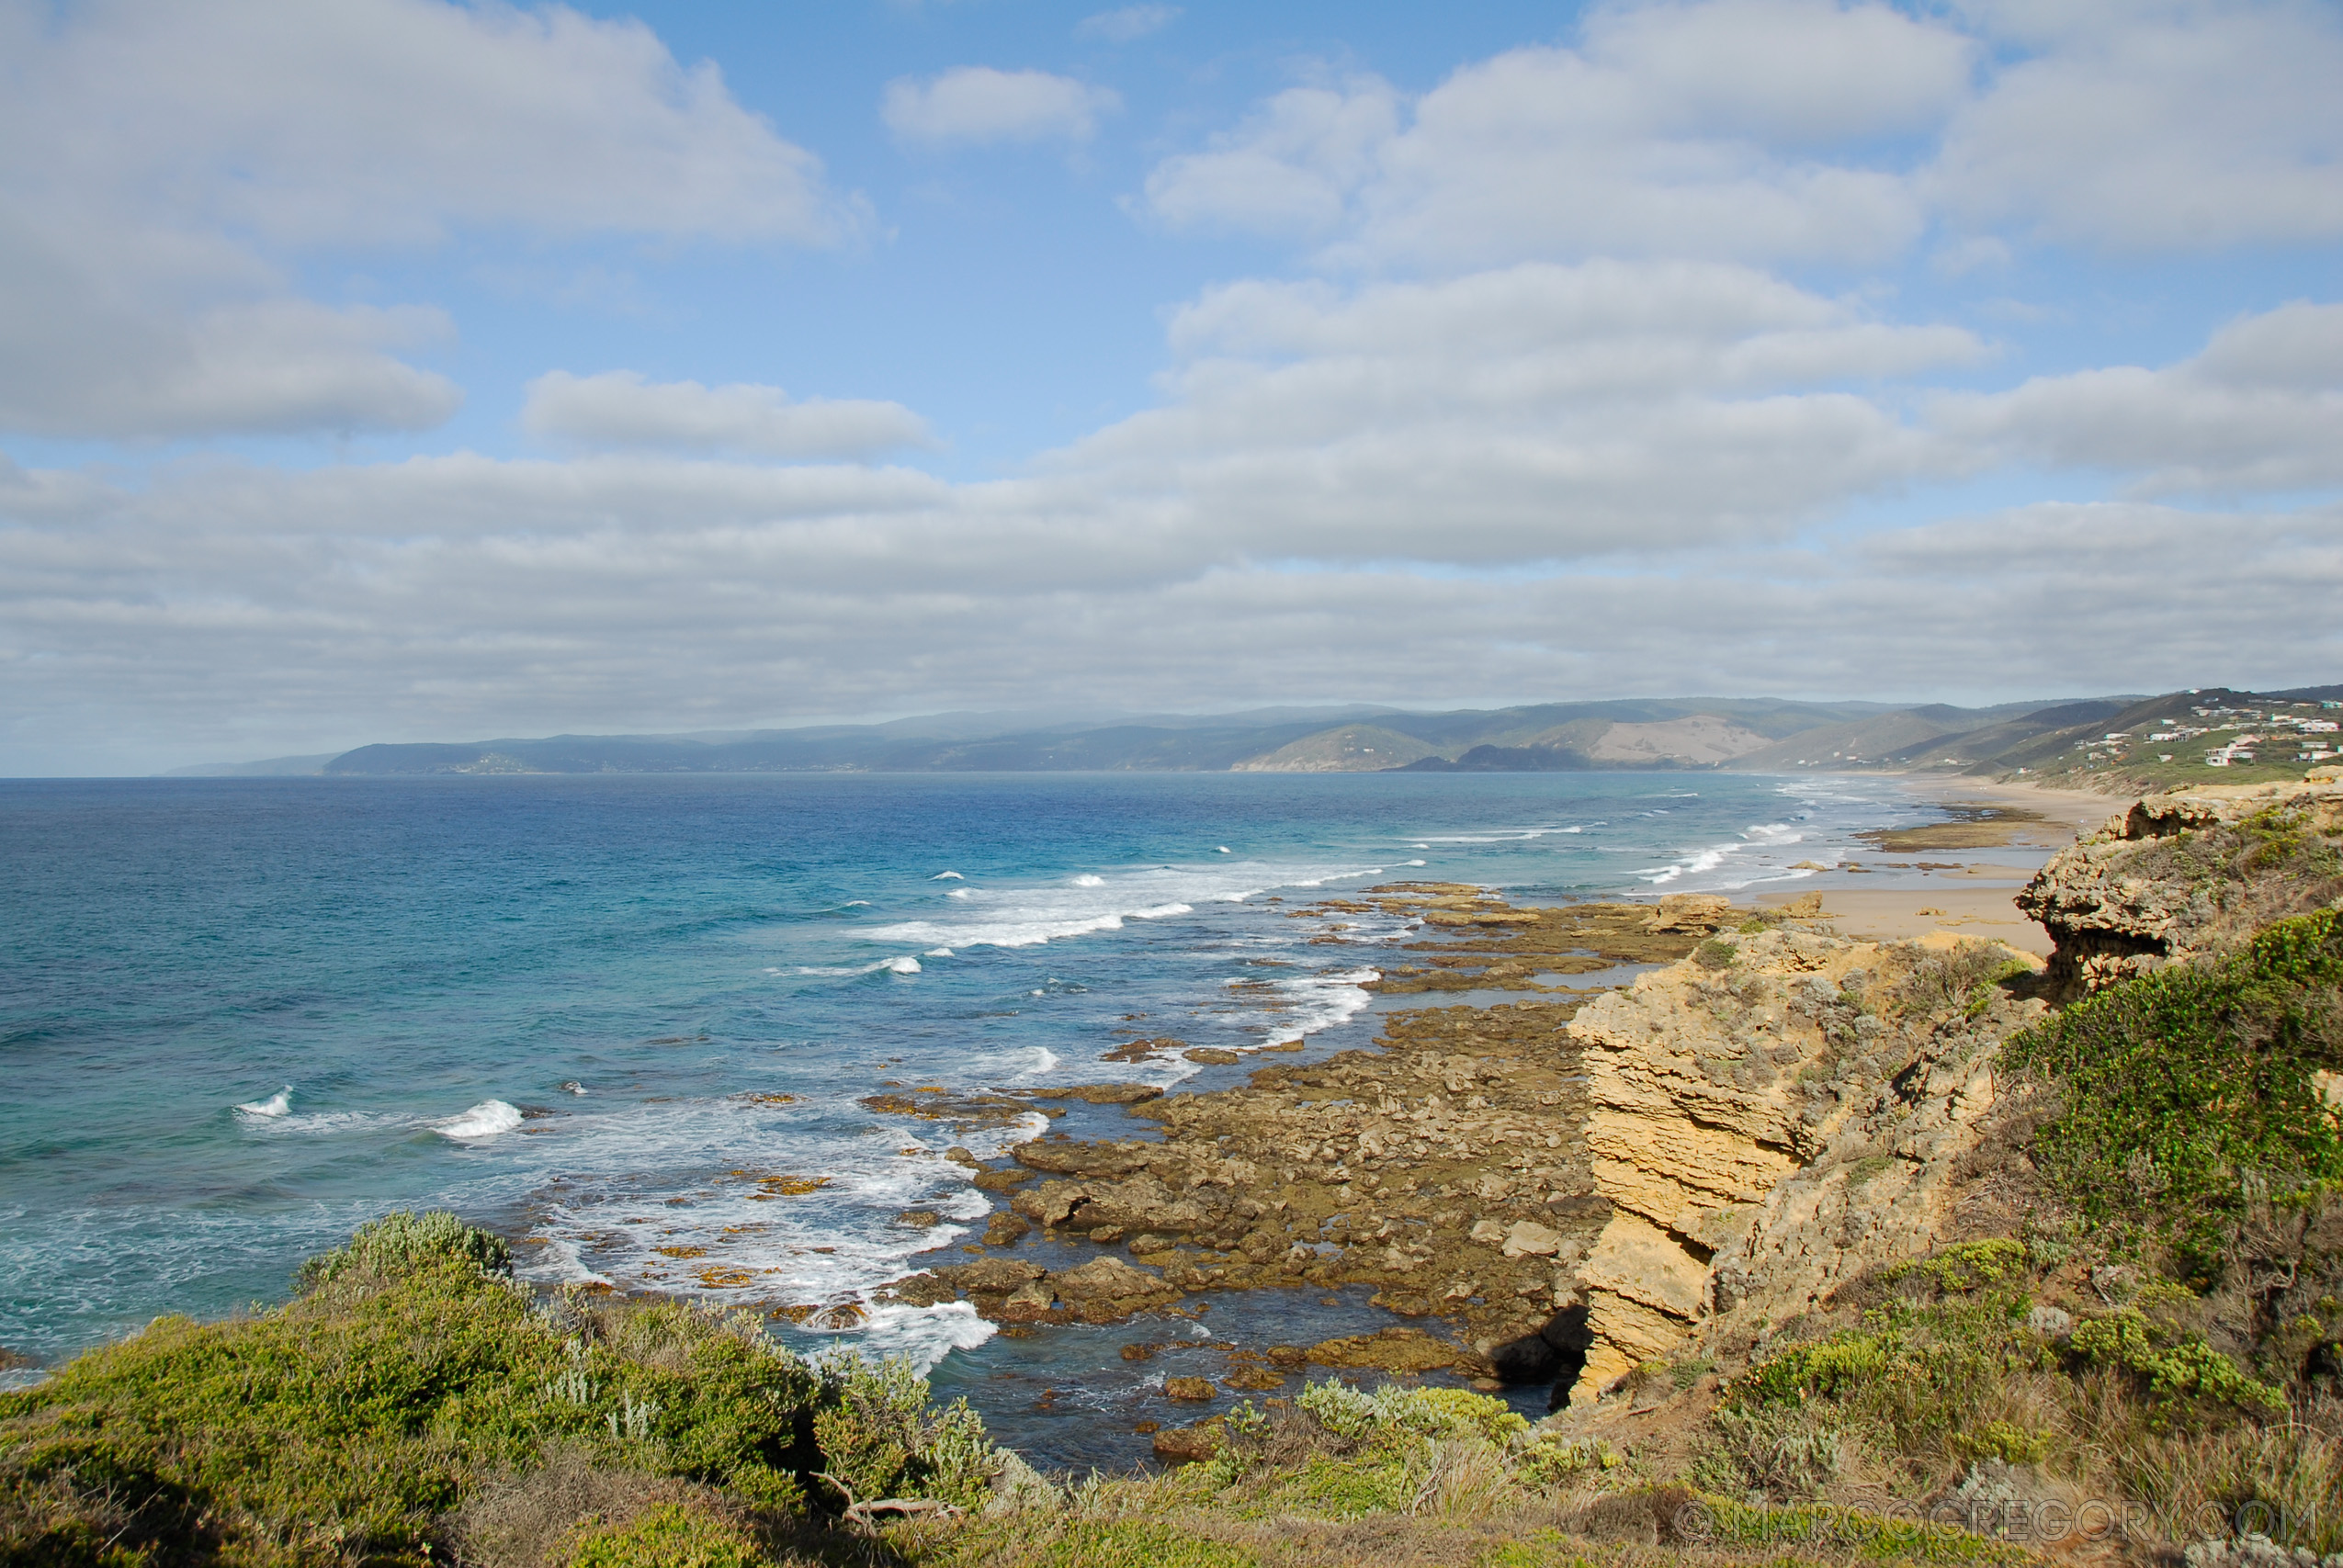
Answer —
(2258, 409)
(1670, 130)
(1290, 168)
(1786, 72)
(87, 349)
(979, 104)
(1534, 412)
(2158, 127)
(164, 171)
(376, 120)
(1128, 24)
(463, 597)
(618, 407)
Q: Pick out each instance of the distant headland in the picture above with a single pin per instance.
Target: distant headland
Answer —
(2115, 743)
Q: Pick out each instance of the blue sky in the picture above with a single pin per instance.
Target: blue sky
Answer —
(394, 369)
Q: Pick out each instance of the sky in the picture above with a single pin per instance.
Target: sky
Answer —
(400, 370)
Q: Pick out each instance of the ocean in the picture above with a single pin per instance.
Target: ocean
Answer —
(627, 1020)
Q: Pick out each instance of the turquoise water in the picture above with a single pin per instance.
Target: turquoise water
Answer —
(240, 1017)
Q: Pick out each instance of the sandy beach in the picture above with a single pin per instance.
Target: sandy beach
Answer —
(1953, 894)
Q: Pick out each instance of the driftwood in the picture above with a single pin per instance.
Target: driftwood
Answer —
(863, 1517)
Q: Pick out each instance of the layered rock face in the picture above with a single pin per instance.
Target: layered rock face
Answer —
(1770, 1116)
(2180, 875)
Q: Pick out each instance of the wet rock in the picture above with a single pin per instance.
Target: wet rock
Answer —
(1070, 1158)
(1006, 1229)
(1143, 1050)
(1252, 1378)
(993, 1276)
(1001, 1181)
(1142, 1352)
(1191, 1445)
(918, 1219)
(1106, 1236)
(1051, 1202)
(1212, 1056)
(1110, 1278)
(1030, 1300)
(1388, 1350)
(1193, 1390)
(1101, 1093)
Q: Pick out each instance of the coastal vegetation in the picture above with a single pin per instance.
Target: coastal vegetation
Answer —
(1858, 1252)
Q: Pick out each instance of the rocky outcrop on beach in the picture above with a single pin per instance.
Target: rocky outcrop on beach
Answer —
(1578, 1182)
(2187, 873)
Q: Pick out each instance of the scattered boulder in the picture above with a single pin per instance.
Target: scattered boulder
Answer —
(1191, 1445)
(1193, 1390)
(1212, 1056)
(1006, 1229)
(918, 1219)
(1690, 912)
(1529, 1239)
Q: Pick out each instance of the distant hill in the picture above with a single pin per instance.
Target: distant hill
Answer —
(2063, 737)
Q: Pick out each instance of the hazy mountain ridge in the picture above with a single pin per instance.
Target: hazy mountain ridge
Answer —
(1746, 734)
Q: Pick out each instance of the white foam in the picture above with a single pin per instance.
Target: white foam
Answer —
(1413, 863)
(905, 965)
(1043, 1058)
(947, 876)
(486, 1120)
(557, 1263)
(275, 1105)
(1088, 879)
(921, 1336)
(955, 893)
(856, 904)
(938, 953)
(1225, 849)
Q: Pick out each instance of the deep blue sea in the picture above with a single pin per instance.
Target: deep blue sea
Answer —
(240, 1017)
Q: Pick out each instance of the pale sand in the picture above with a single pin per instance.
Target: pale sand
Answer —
(2067, 814)
(1894, 914)
(1976, 900)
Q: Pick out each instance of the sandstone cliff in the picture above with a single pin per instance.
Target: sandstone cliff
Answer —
(2192, 871)
(1771, 1116)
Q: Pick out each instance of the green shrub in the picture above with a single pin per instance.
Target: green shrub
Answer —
(2187, 1089)
(1140, 1543)
(1392, 1413)
(1966, 1266)
(343, 1424)
(2185, 1369)
(669, 1536)
(1849, 1360)
(2004, 1441)
(401, 1243)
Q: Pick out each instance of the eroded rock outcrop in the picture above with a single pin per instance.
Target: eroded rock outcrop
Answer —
(1768, 1117)
(2178, 874)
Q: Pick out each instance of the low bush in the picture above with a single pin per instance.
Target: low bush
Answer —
(2187, 1091)
(347, 1425)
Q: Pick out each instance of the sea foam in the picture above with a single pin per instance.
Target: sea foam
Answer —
(486, 1120)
